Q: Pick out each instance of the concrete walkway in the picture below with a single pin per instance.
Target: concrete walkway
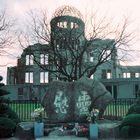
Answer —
(62, 138)
(75, 138)
(51, 138)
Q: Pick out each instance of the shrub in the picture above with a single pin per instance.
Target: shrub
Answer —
(134, 109)
(6, 111)
(8, 118)
(3, 108)
(7, 127)
(124, 131)
(130, 126)
(12, 115)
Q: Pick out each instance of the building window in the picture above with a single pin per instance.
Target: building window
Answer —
(76, 25)
(76, 46)
(29, 60)
(44, 59)
(109, 74)
(62, 24)
(20, 91)
(65, 24)
(137, 75)
(91, 59)
(136, 90)
(44, 78)
(106, 54)
(113, 90)
(106, 74)
(29, 77)
(57, 46)
(109, 88)
(126, 75)
(132, 75)
(72, 25)
(92, 76)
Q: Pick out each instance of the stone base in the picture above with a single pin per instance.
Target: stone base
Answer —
(25, 130)
(38, 129)
(108, 129)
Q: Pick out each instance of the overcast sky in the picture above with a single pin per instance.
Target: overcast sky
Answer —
(114, 8)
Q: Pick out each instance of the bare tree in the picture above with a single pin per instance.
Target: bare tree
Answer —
(7, 37)
(70, 51)
(6, 23)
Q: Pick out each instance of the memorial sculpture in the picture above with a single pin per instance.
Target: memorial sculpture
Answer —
(71, 101)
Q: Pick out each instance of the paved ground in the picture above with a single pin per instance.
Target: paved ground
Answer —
(75, 138)
(66, 138)
(62, 138)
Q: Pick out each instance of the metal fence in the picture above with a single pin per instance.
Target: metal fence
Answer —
(24, 108)
(116, 109)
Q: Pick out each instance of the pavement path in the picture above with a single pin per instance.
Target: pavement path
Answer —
(62, 138)
(75, 138)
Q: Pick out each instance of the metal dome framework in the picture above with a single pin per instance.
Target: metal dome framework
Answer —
(67, 11)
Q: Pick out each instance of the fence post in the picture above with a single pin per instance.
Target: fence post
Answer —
(116, 108)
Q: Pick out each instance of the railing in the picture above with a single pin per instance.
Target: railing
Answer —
(117, 109)
(24, 108)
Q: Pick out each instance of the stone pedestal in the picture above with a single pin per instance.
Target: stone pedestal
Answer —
(108, 129)
(38, 129)
(25, 130)
(93, 128)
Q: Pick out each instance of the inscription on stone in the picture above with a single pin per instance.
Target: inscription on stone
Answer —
(60, 103)
(83, 103)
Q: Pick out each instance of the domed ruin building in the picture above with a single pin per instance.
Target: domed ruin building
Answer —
(29, 78)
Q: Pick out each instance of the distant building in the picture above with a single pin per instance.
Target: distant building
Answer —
(28, 80)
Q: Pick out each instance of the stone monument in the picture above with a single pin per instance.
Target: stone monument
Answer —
(71, 101)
